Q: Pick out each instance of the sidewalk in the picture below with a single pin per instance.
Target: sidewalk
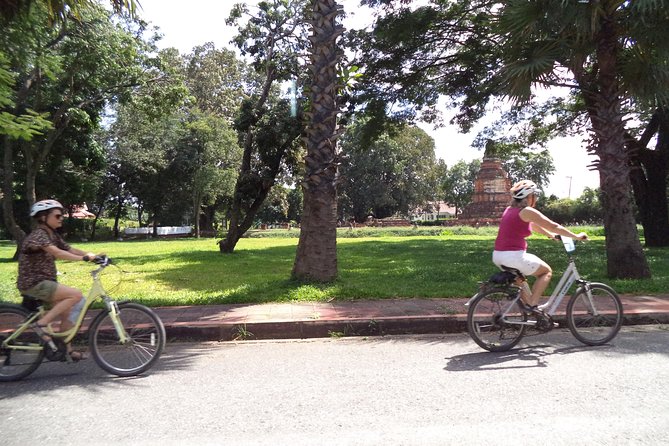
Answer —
(352, 318)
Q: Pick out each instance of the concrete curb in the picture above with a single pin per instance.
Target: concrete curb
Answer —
(304, 329)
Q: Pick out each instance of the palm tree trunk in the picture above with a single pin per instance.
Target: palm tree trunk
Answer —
(625, 258)
(316, 257)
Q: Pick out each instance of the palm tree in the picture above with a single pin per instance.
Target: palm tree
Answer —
(316, 257)
(611, 52)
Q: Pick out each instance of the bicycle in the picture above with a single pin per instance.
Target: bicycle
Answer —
(497, 318)
(125, 338)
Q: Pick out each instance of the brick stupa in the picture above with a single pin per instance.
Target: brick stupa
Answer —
(491, 194)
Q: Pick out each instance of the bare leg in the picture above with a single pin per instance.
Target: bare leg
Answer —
(543, 274)
(64, 298)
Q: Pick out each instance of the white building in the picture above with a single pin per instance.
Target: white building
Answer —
(434, 210)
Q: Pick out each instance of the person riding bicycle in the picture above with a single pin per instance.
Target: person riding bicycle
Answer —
(518, 221)
(37, 269)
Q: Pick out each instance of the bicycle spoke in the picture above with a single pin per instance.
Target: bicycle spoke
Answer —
(595, 318)
(491, 318)
(146, 339)
(17, 362)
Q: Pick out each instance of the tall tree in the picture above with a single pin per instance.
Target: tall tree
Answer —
(316, 257)
(611, 52)
(60, 10)
(12, 125)
(69, 72)
(214, 156)
(218, 81)
(274, 38)
(650, 167)
(458, 184)
(395, 173)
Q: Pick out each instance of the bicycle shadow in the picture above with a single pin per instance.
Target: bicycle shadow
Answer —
(518, 358)
(52, 377)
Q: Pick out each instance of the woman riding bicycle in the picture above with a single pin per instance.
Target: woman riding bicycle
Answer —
(37, 269)
(517, 223)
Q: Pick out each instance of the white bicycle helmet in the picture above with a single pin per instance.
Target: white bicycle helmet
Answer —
(44, 205)
(523, 189)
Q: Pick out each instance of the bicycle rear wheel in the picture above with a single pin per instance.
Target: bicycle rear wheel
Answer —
(17, 363)
(595, 321)
(146, 341)
(488, 327)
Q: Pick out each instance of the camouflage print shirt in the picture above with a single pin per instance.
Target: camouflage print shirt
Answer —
(35, 264)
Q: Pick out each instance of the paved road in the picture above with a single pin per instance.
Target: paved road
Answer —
(418, 390)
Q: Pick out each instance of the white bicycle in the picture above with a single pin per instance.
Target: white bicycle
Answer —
(497, 318)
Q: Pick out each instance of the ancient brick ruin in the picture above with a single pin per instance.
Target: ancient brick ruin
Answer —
(491, 194)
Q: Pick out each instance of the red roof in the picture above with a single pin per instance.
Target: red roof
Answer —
(81, 211)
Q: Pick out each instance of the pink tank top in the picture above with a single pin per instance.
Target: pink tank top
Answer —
(512, 231)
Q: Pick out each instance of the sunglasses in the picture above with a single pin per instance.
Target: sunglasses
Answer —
(58, 216)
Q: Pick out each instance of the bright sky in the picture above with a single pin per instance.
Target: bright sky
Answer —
(187, 24)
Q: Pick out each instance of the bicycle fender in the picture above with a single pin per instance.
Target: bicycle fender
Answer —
(15, 307)
(471, 299)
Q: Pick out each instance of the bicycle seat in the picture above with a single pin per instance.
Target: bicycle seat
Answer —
(513, 271)
(30, 303)
(506, 277)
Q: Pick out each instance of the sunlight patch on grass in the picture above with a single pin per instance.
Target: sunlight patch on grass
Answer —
(308, 293)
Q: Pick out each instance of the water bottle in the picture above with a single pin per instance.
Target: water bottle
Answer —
(568, 244)
(74, 314)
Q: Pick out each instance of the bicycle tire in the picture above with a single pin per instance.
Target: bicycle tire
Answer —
(16, 364)
(484, 324)
(591, 329)
(147, 340)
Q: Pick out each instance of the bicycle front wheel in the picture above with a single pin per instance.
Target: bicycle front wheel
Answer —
(495, 321)
(595, 317)
(145, 343)
(25, 353)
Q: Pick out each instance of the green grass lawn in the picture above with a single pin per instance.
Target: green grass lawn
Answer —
(191, 271)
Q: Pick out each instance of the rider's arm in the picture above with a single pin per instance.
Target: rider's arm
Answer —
(79, 252)
(72, 254)
(535, 217)
(540, 230)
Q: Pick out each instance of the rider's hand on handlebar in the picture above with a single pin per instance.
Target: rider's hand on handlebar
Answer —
(101, 259)
(582, 236)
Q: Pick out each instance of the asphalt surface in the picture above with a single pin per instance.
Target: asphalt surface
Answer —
(418, 390)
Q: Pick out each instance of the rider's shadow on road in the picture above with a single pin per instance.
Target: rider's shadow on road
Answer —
(88, 376)
(519, 358)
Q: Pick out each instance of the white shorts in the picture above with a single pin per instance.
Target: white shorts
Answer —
(521, 260)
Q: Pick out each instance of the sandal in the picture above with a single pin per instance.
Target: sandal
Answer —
(76, 356)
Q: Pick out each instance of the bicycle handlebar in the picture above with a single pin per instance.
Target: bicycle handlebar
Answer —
(102, 260)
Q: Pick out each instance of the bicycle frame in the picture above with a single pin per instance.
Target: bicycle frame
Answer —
(96, 291)
(569, 277)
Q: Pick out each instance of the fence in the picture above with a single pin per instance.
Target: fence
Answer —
(162, 231)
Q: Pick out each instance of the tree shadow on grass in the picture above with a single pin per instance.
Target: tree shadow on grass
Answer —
(367, 269)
